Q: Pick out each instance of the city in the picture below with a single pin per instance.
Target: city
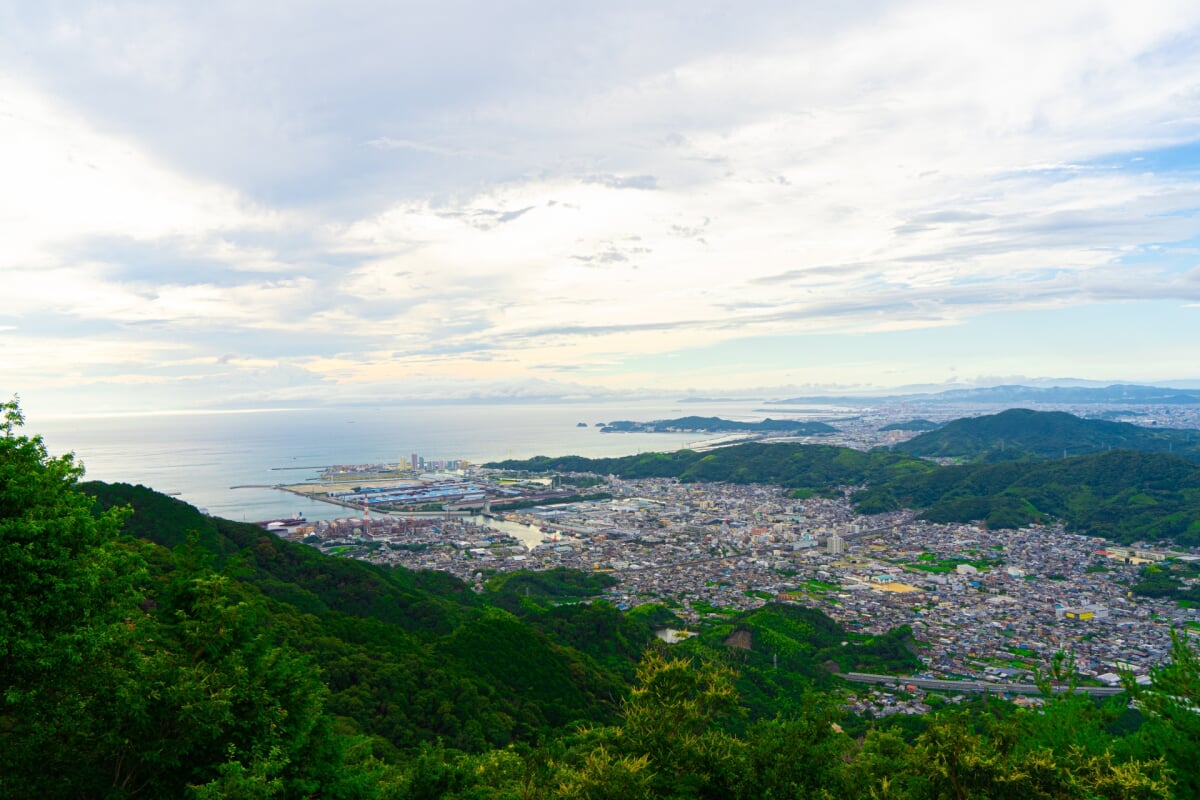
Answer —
(983, 605)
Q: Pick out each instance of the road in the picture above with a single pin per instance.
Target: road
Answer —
(972, 686)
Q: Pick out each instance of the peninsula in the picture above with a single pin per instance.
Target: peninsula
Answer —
(695, 424)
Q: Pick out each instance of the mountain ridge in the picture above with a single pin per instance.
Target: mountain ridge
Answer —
(1021, 433)
(1114, 394)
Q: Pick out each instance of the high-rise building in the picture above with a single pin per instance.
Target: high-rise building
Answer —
(836, 545)
(415, 459)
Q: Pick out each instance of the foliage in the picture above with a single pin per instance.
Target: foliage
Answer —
(120, 678)
(783, 651)
(670, 718)
(911, 425)
(1021, 434)
(789, 465)
(390, 641)
(1172, 706)
(559, 583)
(613, 640)
(655, 615)
(581, 481)
(1121, 495)
(1164, 581)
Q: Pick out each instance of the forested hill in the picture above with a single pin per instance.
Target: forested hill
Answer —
(795, 466)
(1019, 434)
(912, 425)
(394, 643)
(1121, 495)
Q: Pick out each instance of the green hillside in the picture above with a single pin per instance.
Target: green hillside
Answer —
(390, 638)
(911, 425)
(783, 651)
(795, 466)
(1121, 495)
(1019, 434)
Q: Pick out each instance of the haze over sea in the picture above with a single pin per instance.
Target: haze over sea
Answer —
(200, 456)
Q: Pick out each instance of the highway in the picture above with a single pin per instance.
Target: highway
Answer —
(973, 686)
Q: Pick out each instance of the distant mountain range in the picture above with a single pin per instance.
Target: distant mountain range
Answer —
(1117, 394)
(1021, 434)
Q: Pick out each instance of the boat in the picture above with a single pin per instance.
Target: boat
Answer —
(285, 521)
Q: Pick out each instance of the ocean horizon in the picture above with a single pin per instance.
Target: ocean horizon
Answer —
(199, 456)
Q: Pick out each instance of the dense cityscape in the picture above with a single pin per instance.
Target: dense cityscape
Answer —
(983, 605)
(714, 547)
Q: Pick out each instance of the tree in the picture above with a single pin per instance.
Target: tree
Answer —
(671, 717)
(122, 679)
(1172, 706)
(800, 757)
(67, 589)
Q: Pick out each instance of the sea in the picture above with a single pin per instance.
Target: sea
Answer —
(200, 457)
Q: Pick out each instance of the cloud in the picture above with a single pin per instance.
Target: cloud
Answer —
(486, 218)
(817, 272)
(644, 182)
(388, 143)
(463, 192)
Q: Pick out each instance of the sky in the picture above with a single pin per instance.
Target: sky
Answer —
(289, 204)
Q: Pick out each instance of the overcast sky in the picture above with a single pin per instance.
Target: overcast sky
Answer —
(265, 203)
